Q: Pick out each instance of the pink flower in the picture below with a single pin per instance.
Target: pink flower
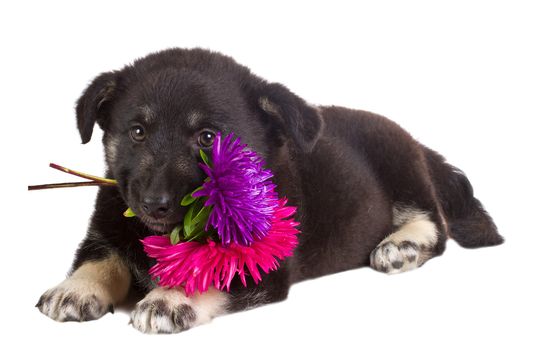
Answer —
(197, 266)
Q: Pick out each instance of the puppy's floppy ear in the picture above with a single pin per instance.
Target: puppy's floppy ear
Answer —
(299, 120)
(93, 105)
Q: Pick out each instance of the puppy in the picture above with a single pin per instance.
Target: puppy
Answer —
(367, 193)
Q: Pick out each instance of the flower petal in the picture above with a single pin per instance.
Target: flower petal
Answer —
(197, 266)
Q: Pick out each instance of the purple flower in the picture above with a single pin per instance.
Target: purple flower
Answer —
(240, 191)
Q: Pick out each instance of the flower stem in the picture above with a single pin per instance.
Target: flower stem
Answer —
(69, 184)
(83, 175)
(96, 180)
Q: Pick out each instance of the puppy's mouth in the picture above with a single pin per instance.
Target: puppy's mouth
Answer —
(162, 226)
(159, 227)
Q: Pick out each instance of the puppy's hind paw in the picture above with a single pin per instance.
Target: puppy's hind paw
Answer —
(391, 257)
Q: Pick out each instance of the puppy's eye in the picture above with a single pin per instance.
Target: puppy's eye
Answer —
(206, 138)
(137, 133)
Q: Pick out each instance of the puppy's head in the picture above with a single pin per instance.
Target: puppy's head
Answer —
(157, 113)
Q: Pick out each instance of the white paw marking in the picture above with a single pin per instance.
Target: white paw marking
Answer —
(75, 300)
(392, 258)
(168, 310)
(409, 246)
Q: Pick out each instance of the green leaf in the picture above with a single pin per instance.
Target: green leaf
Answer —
(202, 216)
(129, 213)
(204, 157)
(197, 233)
(188, 228)
(175, 234)
(189, 199)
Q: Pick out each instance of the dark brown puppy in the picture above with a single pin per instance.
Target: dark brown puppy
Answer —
(367, 192)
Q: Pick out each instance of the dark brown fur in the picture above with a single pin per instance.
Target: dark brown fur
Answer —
(344, 169)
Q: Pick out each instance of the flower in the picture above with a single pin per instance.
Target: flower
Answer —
(254, 228)
(240, 192)
(197, 266)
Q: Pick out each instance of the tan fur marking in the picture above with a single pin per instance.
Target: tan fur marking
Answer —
(148, 114)
(110, 273)
(268, 106)
(194, 118)
(111, 149)
(415, 226)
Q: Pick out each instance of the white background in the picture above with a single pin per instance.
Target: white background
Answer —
(458, 75)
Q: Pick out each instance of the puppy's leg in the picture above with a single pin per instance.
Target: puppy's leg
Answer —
(169, 310)
(89, 293)
(410, 245)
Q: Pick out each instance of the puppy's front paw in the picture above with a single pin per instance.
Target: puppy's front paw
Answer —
(164, 311)
(75, 300)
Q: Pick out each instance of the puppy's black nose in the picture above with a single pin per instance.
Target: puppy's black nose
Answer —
(156, 207)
